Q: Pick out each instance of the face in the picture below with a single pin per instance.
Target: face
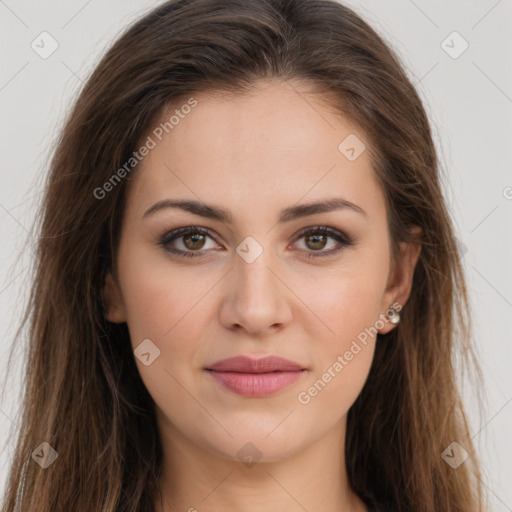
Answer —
(269, 279)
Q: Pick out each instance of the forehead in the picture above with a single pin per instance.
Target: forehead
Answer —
(277, 144)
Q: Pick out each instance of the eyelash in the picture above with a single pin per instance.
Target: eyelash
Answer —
(342, 239)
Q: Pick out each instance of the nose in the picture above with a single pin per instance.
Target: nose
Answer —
(256, 298)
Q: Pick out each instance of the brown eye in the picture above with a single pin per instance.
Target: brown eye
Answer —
(316, 242)
(194, 241)
(189, 242)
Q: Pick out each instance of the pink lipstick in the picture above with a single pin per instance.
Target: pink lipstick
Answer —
(256, 377)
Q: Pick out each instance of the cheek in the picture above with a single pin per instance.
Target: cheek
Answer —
(343, 357)
(163, 306)
(170, 306)
(347, 300)
(348, 303)
(157, 293)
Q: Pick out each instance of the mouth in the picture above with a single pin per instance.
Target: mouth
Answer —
(256, 377)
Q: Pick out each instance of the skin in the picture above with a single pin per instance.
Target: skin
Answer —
(254, 156)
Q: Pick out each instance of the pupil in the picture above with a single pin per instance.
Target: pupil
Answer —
(316, 239)
(195, 239)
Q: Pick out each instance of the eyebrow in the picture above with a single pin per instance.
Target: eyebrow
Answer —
(287, 215)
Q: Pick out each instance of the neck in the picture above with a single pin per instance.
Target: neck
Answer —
(195, 479)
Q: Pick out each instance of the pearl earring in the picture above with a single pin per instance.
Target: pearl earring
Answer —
(393, 315)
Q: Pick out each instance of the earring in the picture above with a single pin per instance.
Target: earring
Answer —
(393, 315)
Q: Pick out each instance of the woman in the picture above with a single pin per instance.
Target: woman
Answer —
(248, 293)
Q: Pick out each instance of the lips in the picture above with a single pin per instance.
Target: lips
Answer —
(244, 364)
(255, 377)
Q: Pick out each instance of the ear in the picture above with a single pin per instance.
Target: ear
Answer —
(115, 311)
(399, 284)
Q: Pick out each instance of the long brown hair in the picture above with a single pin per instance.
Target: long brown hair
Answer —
(84, 396)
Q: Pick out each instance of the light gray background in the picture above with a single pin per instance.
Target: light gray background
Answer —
(469, 100)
